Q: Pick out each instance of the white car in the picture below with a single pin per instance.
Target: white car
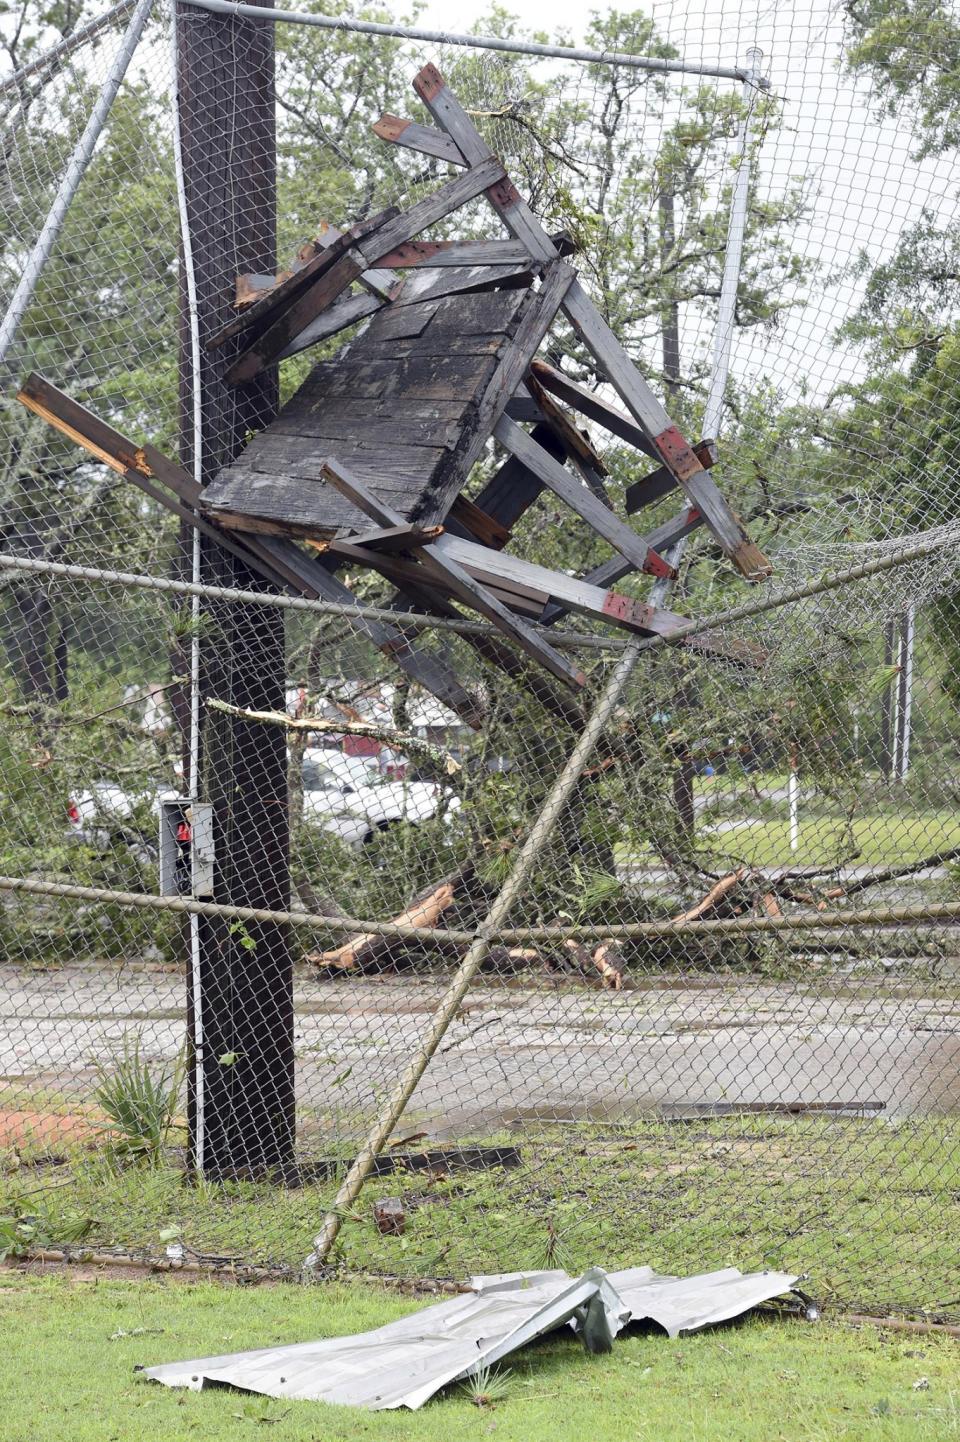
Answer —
(347, 797)
(104, 814)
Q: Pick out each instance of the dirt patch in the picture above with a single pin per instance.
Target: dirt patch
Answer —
(30, 1132)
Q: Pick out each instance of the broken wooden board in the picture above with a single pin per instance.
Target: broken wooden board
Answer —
(440, 566)
(277, 559)
(407, 409)
(616, 366)
(352, 257)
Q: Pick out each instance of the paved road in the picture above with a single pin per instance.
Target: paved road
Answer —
(525, 1052)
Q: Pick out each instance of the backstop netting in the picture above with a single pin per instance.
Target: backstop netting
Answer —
(720, 1023)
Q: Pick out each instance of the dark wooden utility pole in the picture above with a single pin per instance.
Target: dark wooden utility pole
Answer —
(240, 985)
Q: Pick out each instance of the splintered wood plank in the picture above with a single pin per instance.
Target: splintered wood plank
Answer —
(539, 309)
(354, 257)
(437, 562)
(457, 252)
(378, 282)
(86, 429)
(295, 318)
(396, 538)
(660, 482)
(574, 494)
(422, 138)
(645, 407)
(343, 313)
(263, 311)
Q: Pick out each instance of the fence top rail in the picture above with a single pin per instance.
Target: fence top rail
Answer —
(483, 42)
(70, 42)
(946, 913)
(932, 542)
(411, 619)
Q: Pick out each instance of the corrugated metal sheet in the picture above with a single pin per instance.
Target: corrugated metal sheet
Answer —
(404, 1363)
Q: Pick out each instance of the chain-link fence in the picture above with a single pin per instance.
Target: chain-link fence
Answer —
(294, 872)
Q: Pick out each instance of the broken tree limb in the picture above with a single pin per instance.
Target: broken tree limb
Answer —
(398, 740)
(425, 909)
(714, 896)
(892, 873)
(608, 959)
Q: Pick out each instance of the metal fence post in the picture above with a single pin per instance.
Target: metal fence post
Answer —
(537, 837)
(74, 173)
(729, 285)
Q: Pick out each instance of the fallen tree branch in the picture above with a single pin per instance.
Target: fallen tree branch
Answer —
(714, 896)
(892, 873)
(399, 740)
(608, 959)
(425, 909)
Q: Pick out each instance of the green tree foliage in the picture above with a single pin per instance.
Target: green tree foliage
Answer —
(910, 49)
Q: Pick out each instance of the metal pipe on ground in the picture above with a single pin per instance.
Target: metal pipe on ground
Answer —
(539, 834)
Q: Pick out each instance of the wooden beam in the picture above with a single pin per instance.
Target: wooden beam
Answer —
(422, 138)
(579, 498)
(596, 335)
(575, 442)
(296, 282)
(396, 538)
(434, 253)
(278, 559)
(353, 256)
(590, 600)
(438, 562)
(483, 527)
(608, 573)
(343, 313)
(591, 405)
(659, 483)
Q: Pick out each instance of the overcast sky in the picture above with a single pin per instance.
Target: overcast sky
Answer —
(864, 184)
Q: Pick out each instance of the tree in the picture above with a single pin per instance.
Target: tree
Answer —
(910, 49)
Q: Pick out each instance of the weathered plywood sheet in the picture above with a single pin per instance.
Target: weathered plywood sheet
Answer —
(400, 408)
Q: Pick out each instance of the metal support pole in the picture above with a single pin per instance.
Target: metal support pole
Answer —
(74, 173)
(66, 46)
(904, 695)
(479, 42)
(528, 855)
(753, 82)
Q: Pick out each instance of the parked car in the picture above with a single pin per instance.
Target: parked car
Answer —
(348, 797)
(105, 814)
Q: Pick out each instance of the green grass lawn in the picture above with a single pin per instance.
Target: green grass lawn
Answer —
(869, 1209)
(70, 1346)
(879, 839)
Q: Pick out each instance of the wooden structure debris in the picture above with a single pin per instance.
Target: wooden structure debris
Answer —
(370, 459)
(370, 463)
